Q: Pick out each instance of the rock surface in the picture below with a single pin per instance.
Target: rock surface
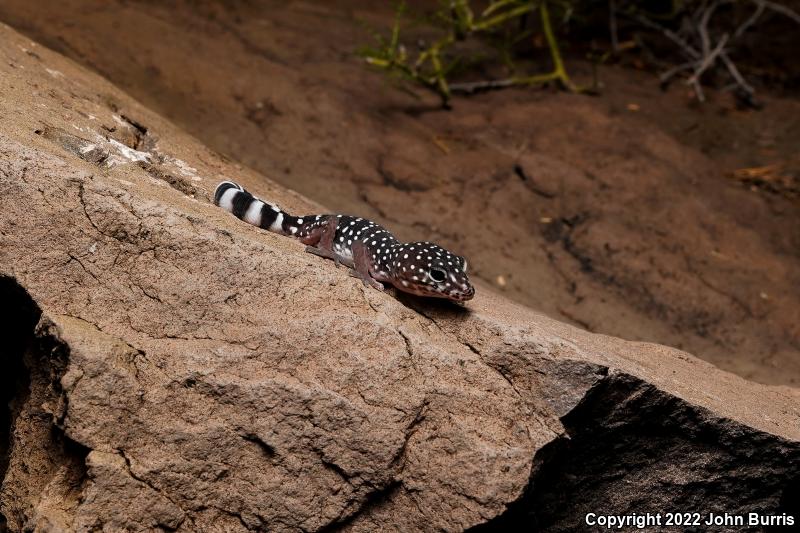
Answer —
(170, 368)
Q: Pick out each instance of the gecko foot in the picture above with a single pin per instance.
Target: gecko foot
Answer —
(323, 253)
(368, 281)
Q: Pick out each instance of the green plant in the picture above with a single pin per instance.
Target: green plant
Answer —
(433, 64)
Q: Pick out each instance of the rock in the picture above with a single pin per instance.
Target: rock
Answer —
(172, 368)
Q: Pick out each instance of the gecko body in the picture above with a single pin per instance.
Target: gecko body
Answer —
(369, 249)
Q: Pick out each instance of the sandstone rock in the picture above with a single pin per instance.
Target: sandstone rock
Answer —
(170, 368)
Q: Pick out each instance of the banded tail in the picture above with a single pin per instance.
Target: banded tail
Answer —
(233, 198)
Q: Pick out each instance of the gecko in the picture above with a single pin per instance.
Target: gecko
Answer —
(371, 252)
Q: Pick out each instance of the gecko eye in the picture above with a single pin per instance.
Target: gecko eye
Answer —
(438, 275)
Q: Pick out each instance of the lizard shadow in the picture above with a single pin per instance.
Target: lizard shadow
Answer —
(433, 308)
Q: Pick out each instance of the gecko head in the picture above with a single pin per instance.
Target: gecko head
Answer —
(426, 269)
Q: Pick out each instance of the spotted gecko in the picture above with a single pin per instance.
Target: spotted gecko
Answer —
(373, 253)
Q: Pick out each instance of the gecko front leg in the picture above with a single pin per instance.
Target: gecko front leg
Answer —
(361, 266)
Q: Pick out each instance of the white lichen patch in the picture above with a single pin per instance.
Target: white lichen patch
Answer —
(124, 154)
(88, 148)
(184, 168)
(119, 120)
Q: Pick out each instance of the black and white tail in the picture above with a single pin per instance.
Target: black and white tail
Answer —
(233, 198)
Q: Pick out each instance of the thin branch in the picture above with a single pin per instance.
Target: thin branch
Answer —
(559, 71)
(476, 86)
(702, 29)
(750, 21)
(666, 76)
(709, 59)
(735, 74)
(781, 9)
(669, 34)
(698, 90)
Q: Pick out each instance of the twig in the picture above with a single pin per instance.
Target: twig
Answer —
(750, 21)
(698, 90)
(702, 29)
(735, 74)
(694, 56)
(781, 9)
(669, 34)
(708, 60)
(475, 86)
(666, 76)
(559, 71)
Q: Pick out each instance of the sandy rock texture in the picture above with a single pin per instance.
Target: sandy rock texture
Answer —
(168, 367)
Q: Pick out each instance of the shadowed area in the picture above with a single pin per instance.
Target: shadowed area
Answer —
(18, 317)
